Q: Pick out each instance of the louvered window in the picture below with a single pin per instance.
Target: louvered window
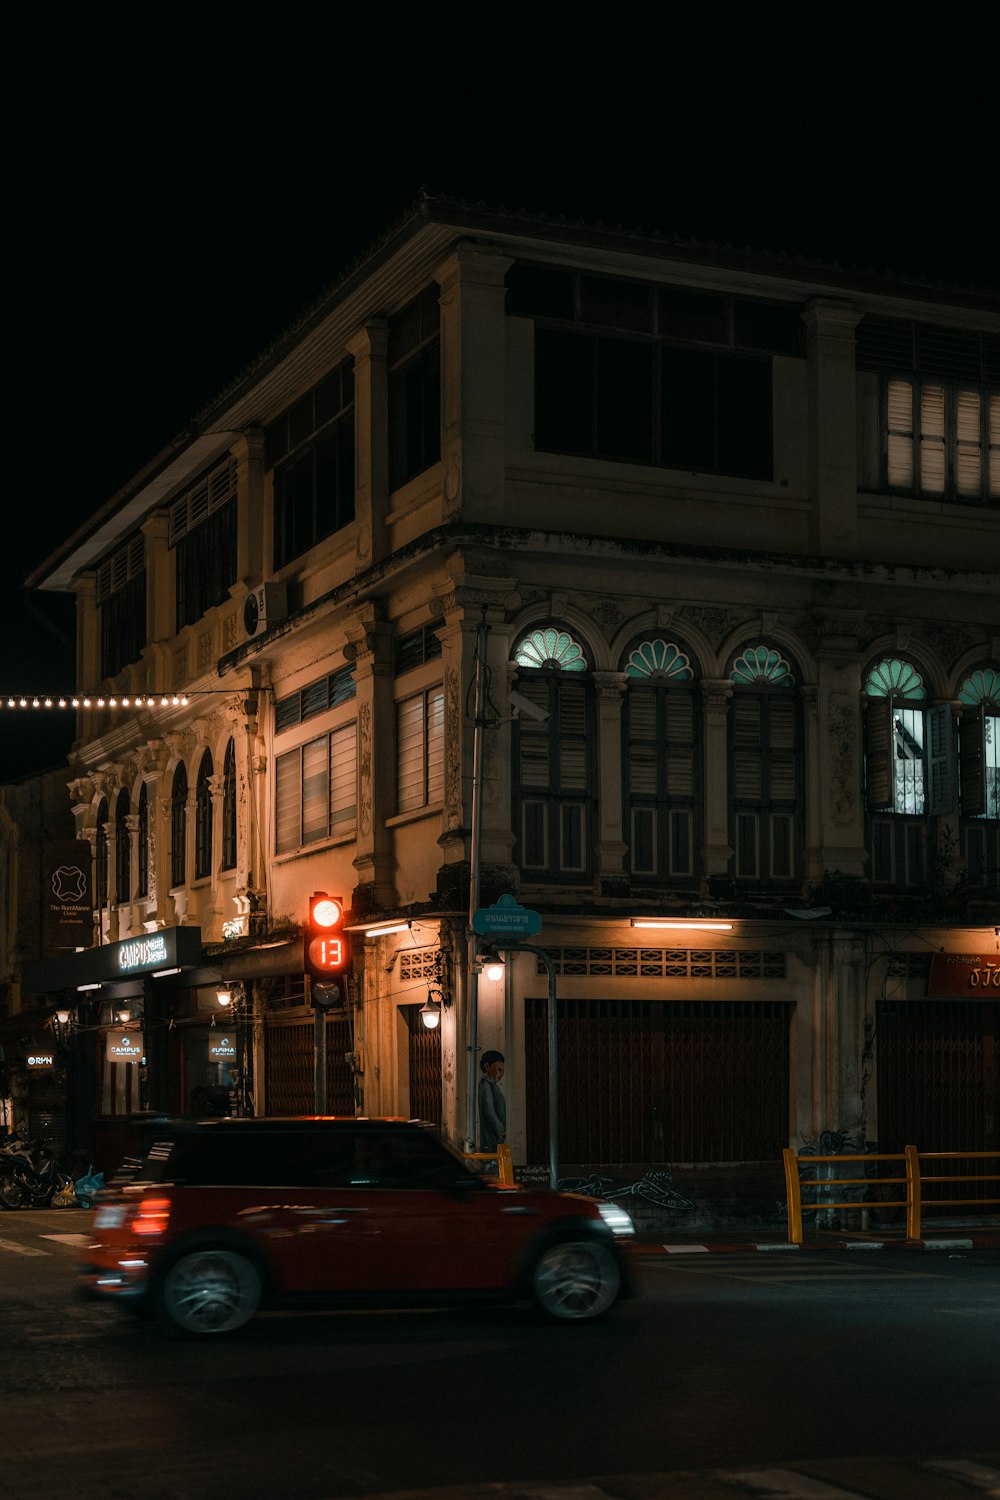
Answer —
(316, 790)
(765, 756)
(660, 756)
(942, 440)
(203, 525)
(553, 759)
(315, 698)
(121, 595)
(123, 850)
(310, 450)
(420, 751)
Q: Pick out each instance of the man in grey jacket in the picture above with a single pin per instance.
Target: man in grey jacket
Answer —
(492, 1104)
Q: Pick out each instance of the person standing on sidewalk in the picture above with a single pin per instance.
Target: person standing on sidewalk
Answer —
(492, 1104)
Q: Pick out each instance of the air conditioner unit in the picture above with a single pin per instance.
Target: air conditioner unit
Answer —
(263, 607)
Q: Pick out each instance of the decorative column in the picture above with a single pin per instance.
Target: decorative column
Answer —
(716, 695)
(371, 445)
(611, 847)
(473, 375)
(835, 761)
(832, 425)
(132, 825)
(370, 644)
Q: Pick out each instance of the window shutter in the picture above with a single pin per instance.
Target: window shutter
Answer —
(643, 841)
(932, 448)
(869, 476)
(746, 756)
(410, 754)
(315, 791)
(972, 761)
(343, 777)
(879, 752)
(287, 803)
(534, 841)
(899, 416)
(968, 446)
(939, 759)
(994, 429)
(572, 854)
(435, 746)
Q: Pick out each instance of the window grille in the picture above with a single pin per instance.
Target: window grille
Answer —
(121, 567)
(669, 963)
(420, 964)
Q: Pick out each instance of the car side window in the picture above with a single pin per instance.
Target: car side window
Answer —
(402, 1159)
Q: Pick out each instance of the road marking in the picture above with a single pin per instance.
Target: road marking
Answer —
(784, 1484)
(976, 1476)
(17, 1249)
(68, 1239)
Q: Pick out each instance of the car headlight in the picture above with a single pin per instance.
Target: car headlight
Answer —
(617, 1220)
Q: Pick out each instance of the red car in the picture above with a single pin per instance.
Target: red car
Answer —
(222, 1217)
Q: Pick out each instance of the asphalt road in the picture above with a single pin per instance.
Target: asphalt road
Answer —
(813, 1376)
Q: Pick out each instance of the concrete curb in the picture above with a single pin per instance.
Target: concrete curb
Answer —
(987, 1241)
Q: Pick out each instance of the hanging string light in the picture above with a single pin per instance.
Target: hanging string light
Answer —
(93, 700)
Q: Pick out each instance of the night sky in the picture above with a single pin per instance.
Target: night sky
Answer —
(184, 182)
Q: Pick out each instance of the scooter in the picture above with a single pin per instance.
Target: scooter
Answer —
(30, 1177)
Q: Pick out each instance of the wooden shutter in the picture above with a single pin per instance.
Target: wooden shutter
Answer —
(410, 754)
(939, 760)
(968, 443)
(879, 753)
(435, 746)
(972, 761)
(932, 440)
(343, 777)
(869, 466)
(899, 422)
(315, 790)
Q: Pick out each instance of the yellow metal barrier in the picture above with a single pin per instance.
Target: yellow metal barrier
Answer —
(912, 1181)
(501, 1156)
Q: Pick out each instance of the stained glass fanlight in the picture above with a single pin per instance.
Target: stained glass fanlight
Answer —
(893, 678)
(551, 648)
(981, 686)
(658, 659)
(762, 665)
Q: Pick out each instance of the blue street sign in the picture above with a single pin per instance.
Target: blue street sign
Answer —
(506, 919)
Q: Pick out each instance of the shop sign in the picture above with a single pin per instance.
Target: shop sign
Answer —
(964, 974)
(124, 1046)
(69, 920)
(221, 1046)
(40, 1060)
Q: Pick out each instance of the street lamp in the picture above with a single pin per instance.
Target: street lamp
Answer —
(430, 1012)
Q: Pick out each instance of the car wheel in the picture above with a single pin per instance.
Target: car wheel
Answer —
(209, 1292)
(574, 1280)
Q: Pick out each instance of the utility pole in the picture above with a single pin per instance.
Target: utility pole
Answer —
(475, 859)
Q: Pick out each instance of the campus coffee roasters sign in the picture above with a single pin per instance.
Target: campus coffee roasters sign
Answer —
(221, 1047)
(124, 1046)
(972, 975)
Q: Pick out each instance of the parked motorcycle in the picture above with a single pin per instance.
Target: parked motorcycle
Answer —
(30, 1176)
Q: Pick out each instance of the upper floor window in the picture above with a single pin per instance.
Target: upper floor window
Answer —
(420, 750)
(979, 741)
(101, 853)
(928, 410)
(178, 826)
(203, 534)
(229, 808)
(121, 597)
(655, 375)
(660, 757)
(123, 849)
(326, 692)
(414, 355)
(203, 818)
(310, 450)
(142, 874)
(315, 789)
(765, 766)
(908, 770)
(554, 795)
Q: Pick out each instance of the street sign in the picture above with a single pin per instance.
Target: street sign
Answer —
(506, 918)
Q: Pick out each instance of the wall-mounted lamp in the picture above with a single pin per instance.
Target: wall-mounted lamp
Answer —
(124, 1016)
(223, 998)
(63, 1017)
(494, 968)
(690, 924)
(430, 1013)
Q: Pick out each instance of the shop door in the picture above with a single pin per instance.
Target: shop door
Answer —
(660, 1082)
(425, 1067)
(291, 1067)
(938, 1075)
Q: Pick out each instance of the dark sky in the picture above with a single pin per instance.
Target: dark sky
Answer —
(183, 182)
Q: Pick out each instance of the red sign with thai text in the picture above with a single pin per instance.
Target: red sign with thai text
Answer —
(967, 974)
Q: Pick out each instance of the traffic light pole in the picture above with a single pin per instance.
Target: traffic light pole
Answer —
(319, 1052)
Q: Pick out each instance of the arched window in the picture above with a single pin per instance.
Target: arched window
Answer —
(553, 756)
(102, 894)
(979, 775)
(203, 819)
(229, 808)
(142, 874)
(660, 758)
(178, 826)
(765, 767)
(908, 770)
(123, 850)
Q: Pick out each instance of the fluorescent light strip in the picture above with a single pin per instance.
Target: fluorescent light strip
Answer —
(380, 931)
(670, 925)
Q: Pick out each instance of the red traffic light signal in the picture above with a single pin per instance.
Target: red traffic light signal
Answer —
(326, 948)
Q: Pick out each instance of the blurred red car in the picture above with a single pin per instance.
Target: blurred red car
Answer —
(222, 1217)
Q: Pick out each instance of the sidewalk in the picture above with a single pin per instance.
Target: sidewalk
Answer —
(727, 1242)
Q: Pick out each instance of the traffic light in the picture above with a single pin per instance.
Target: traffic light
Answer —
(325, 949)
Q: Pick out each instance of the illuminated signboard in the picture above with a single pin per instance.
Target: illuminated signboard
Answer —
(222, 1046)
(124, 1046)
(149, 952)
(964, 974)
(40, 1060)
